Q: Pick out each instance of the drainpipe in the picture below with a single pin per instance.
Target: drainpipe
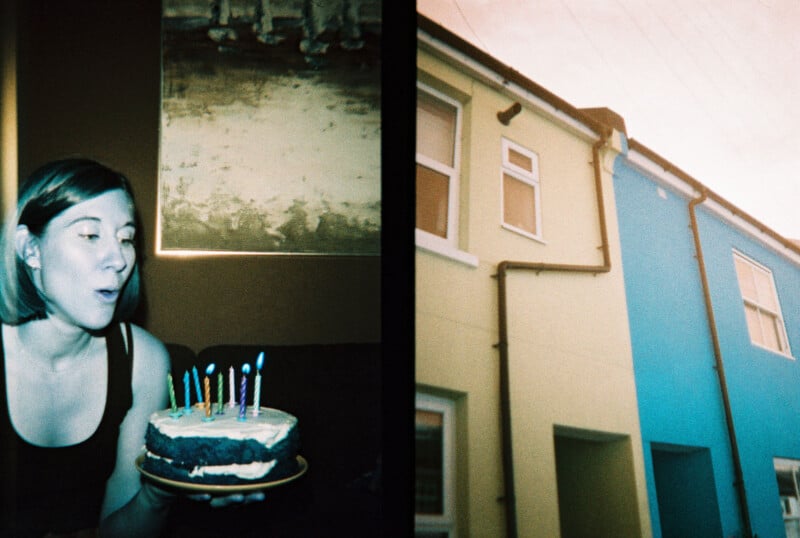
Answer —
(502, 270)
(719, 366)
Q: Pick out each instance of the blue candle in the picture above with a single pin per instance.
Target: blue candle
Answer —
(186, 393)
(243, 392)
(197, 385)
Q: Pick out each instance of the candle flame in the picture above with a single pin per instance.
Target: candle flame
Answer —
(210, 369)
(245, 368)
(260, 361)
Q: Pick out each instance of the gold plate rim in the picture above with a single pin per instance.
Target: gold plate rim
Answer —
(222, 488)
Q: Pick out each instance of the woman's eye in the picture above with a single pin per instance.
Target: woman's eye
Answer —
(89, 236)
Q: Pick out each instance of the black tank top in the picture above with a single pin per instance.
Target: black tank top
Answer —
(61, 489)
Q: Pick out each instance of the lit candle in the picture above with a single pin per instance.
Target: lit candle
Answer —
(219, 393)
(207, 387)
(197, 386)
(186, 393)
(257, 387)
(243, 392)
(173, 404)
(231, 390)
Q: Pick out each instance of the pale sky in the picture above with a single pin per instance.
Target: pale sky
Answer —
(713, 86)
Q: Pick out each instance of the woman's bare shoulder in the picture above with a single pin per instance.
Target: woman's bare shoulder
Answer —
(148, 350)
(150, 366)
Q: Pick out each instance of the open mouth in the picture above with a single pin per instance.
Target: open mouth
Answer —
(108, 296)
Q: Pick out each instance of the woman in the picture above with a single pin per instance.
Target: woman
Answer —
(77, 383)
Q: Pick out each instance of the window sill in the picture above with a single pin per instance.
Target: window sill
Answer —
(437, 245)
(522, 232)
(773, 351)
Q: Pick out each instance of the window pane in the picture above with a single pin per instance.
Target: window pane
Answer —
(432, 199)
(785, 482)
(753, 324)
(429, 463)
(519, 204)
(746, 282)
(766, 293)
(773, 338)
(436, 128)
(518, 159)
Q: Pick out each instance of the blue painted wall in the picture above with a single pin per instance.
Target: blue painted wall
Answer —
(764, 386)
(677, 386)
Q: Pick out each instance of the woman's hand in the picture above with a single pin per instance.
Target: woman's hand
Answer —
(144, 515)
(158, 498)
(155, 497)
(221, 501)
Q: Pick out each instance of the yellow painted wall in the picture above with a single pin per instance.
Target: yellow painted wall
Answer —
(569, 346)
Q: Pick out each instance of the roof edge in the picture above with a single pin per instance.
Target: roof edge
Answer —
(599, 120)
(444, 35)
(635, 145)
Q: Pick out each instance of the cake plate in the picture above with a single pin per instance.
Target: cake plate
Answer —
(225, 489)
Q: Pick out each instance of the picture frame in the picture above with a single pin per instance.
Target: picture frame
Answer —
(270, 128)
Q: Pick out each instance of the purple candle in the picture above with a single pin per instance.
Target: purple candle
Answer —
(243, 392)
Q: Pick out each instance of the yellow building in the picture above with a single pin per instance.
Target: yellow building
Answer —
(527, 420)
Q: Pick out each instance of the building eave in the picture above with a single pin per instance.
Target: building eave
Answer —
(656, 166)
(505, 78)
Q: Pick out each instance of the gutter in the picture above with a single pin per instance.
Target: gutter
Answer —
(733, 211)
(502, 325)
(719, 366)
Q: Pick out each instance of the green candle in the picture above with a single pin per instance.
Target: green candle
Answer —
(172, 401)
(219, 393)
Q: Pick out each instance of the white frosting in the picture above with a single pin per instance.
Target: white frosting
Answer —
(269, 427)
(249, 471)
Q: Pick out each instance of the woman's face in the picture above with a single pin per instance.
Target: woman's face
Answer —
(86, 255)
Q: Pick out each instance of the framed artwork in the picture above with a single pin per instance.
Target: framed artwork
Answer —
(270, 127)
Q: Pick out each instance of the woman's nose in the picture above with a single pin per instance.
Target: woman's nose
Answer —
(114, 255)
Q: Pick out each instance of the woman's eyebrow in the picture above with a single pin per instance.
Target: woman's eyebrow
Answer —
(91, 218)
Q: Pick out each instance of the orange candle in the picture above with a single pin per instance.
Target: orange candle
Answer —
(207, 387)
(208, 397)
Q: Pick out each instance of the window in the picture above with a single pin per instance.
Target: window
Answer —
(520, 173)
(434, 484)
(787, 472)
(438, 127)
(761, 308)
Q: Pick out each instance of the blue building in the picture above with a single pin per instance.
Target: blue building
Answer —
(714, 307)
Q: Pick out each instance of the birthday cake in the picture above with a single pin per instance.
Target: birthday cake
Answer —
(226, 450)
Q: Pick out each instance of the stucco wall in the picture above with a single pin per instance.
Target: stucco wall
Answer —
(679, 391)
(569, 352)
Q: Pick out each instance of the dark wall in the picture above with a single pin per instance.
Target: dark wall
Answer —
(89, 84)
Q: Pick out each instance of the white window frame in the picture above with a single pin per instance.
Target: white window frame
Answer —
(778, 315)
(790, 504)
(446, 522)
(449, 246)
(529, 177)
